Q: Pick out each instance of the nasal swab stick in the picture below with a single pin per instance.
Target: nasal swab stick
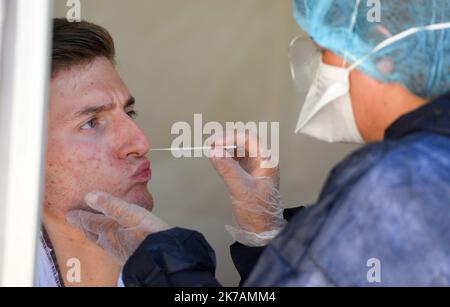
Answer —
(193, 148)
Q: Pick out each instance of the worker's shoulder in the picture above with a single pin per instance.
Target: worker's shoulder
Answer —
(415, 168)
(396, 211)
(388, 179)
(417, 155)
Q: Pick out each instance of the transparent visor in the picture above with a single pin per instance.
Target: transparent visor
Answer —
(304, 60)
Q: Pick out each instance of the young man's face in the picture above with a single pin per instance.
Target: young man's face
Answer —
(94, 144)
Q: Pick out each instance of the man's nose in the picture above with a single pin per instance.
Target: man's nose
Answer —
(131, 140)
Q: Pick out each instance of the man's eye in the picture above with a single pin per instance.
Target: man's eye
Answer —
(91, 124)
(132, 114)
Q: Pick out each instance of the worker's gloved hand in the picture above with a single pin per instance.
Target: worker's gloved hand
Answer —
(119, 227)
(253, 189)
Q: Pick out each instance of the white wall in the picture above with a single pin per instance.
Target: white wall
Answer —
(226, 59)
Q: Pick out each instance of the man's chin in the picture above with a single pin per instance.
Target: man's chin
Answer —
(139, 195)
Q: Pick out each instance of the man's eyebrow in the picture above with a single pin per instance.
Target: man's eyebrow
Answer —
(94, 110)
(131, 101)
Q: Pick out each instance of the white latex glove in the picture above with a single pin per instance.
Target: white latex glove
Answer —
(119, 227)
(253, 190)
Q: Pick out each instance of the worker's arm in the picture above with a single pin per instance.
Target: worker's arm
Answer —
(173, 258)
(245, 257)
(183, 258)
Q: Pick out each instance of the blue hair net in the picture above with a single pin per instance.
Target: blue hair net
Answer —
(420, 62)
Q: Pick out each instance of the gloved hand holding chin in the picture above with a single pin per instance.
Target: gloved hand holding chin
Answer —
(118, 227)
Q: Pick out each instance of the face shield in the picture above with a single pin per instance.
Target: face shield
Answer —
(304, 60)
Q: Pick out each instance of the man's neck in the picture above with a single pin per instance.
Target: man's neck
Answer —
(78, 257)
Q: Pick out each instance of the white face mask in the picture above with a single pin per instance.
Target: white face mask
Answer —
(327, 113)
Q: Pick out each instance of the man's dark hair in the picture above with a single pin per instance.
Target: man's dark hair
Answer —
(76, 43)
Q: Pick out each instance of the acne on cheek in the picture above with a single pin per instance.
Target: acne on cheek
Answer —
(88, 167)
(73, 170)
(75, 167)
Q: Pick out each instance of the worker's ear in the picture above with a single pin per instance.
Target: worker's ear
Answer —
(386, 66)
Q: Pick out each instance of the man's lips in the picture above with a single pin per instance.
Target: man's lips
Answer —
(143, 172)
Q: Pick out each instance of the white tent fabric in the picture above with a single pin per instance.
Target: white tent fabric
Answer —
(24, 78)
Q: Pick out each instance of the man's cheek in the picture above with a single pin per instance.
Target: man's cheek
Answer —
(71, 177)
(85, 167)
(62, 188)
(104, 175)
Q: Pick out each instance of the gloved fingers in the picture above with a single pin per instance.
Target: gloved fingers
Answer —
(222, 145)
(247, 143)
(152, 224)
(103, 231)
(92, 224)
(250, 151)
(127, 215)
(74, 220)
(91, 236)
(121, 243)
(240, 185)
(229, 169)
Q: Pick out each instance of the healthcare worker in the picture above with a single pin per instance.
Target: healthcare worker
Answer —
(383, 216)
